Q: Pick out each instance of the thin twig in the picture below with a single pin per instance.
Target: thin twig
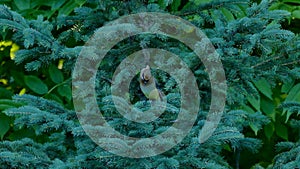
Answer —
(57, 85)
(107, 79)
(289, 63)
(261, 63)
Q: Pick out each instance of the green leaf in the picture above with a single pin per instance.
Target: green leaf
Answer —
(57, 4)
(80, 2)
(4, 125)
(35, 84)
(268, 107)
(18, 134)
(198, 2)
(248, 109)
(55, 74)
(5, 106)
(54, 97)
(10, 102)
(5, 94)
(254, 102)
(22, 4)
(67, 8)
(292, 1)
(65, 91)
(294, 94)
(269, 130)
(163, 3)
(18, 77)
(35, 3)
(51, 3)
(242, 12)
(281, 131)
(275, 6)
(264, 87)
(286, 7)
(296, 14)
(287, 86)
(227, 147)
(175, 5)
(229, 16)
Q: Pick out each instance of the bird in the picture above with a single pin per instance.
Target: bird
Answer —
(148, 85)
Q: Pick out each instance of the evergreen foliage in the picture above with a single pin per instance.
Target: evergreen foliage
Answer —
(252, 45)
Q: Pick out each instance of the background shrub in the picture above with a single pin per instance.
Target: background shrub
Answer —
(257, 43)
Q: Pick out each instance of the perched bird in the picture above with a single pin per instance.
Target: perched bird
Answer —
(148, 85)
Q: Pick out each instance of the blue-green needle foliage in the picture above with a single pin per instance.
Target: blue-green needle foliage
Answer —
(251, 45)
(66, 145)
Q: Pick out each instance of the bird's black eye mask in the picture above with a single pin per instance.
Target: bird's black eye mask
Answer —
(144, 80)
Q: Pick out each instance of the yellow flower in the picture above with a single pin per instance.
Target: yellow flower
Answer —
(6, 43)
(23, 91)
(13, 50)
(4, 81)
(60, 64)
